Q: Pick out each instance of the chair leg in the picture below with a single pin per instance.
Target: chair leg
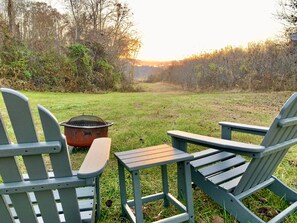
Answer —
(282, 190)
(188, 190)
(165, 184)
(226, 200)
(97, 189)
(180, 180)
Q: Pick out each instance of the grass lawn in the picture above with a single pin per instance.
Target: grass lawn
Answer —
(142, 119)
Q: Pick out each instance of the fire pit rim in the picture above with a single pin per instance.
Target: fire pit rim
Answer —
(107, 124)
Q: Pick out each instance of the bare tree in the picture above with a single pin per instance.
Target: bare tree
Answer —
(11, 16)
(288, 15)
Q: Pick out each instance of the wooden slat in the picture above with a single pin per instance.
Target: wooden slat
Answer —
(29, 149)
(148, 153)
(275, 133)
(293, 134)
(24, 130)
(10, 173)
(60, 164)
(82, 193)
(222, 166)
(230, 185)
(84, 205)
(85, 217)
(228, 175)
(252, 129)
(216, 143)
(257, 170)
(274, 165)
(156, 155)
(287, 122)
(204, 153)
(146, 157)
(158, 161)
(5, 213)
(96, 159)
(41, 185)
(250, 175)
(133, 151)
(211, 159)
(264, 171)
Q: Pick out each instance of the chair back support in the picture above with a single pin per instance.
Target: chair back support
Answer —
(281, 136)
(34, 165)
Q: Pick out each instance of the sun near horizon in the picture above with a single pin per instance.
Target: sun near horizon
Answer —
(174, 30)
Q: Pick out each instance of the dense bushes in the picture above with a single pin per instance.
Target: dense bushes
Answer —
(81, 48)
(75, 68)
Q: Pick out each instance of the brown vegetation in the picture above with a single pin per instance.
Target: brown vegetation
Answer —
(268, 66)
(82, 49)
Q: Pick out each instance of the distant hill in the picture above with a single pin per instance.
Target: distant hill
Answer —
(152, 63)
(143, 72)
(143, 69)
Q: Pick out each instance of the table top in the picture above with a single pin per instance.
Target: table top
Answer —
(151, 156)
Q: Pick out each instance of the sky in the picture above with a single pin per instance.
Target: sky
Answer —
(175, 29)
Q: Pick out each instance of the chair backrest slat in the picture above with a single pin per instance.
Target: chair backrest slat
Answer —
(25, 132)
(5, 212)
(277, 159)
(61, 164)
(281, 130)
(9, 171)
(249, 176)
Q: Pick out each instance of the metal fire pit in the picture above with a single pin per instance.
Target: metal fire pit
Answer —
(80, 131)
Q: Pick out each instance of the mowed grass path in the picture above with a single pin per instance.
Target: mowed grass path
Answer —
(142, 119)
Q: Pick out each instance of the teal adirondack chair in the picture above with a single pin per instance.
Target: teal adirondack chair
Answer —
(228, 178)
(31, 194)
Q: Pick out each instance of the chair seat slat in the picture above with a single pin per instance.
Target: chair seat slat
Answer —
(230, 185)
(212, 159)
(228, 175)
(204, 153)
(222, 166)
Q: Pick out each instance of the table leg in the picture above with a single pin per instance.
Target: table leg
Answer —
(181, 145)
(123, 190)
(165, 184)
(137, 196)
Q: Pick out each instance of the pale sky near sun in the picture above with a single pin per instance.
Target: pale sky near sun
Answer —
(175, 29)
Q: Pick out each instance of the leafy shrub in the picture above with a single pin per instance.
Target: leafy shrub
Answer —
(80, 56)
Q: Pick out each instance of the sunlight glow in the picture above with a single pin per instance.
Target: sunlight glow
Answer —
(173, 29)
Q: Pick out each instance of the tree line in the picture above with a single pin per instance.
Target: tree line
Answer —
(268, 66)
(80, 48)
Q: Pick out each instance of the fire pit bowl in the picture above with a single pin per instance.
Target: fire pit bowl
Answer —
(80, 131)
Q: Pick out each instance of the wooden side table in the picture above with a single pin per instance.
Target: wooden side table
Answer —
(161, 155)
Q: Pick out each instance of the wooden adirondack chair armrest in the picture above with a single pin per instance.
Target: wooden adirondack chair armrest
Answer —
(96, 159)
(228, 127)
(217, 143)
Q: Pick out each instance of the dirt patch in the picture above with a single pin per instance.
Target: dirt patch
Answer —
(161, 87)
